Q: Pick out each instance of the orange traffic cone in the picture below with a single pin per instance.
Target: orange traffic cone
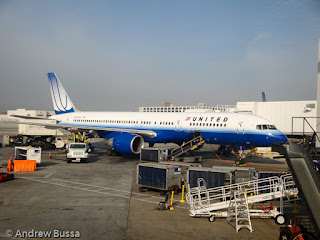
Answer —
(10, 165)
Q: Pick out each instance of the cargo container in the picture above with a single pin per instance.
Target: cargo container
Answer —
(266, 174)
(159, 176)
(182, 165)
(190, 159)
(241, 173)
(5, 140)
(28, 153)
(154, 154)
(212, 177)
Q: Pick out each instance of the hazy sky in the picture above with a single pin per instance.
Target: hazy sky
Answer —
(119, 55)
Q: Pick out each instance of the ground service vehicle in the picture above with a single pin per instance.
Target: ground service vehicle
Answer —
(78, 152)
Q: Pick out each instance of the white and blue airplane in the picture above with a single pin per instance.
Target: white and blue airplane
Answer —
(126, 132)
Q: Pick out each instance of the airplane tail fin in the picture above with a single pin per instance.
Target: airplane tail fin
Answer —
(60, 99)
(264, 98)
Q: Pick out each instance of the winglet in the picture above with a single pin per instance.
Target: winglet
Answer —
(60, 99)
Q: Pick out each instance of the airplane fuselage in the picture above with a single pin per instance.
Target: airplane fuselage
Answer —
(216, 128)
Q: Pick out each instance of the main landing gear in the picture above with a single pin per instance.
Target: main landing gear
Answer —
(111, 152)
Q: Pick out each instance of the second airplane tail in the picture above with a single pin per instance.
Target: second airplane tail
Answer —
(60, 99)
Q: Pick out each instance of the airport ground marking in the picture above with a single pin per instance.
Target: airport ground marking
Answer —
(97, 191)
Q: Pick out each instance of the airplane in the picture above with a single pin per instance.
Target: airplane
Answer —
(126, 132)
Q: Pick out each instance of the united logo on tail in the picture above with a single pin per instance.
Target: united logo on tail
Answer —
(60, 98)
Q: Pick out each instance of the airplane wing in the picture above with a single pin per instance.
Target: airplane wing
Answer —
(143, 133)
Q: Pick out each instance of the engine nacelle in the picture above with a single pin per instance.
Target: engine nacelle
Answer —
(126, 143)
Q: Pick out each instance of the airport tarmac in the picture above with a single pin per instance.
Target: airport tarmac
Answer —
(101, 200)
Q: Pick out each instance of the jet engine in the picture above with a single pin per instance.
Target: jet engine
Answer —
(126, 143)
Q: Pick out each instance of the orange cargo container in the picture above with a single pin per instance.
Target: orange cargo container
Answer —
(25, 166)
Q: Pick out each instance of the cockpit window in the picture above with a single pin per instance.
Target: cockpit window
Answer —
(272, 127)
(266, 127)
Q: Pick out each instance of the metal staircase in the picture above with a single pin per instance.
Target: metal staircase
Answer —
(209, 202)
(188, 146)
(302, 167)
(238, 211)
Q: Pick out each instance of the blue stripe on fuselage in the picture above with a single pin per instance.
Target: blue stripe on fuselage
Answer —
(257, 138)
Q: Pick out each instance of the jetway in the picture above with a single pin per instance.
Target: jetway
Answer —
(306, 177)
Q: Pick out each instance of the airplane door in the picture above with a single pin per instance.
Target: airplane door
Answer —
(240, 128)
(178, 126)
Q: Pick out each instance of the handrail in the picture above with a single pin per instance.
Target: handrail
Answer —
(201, 199)
(303, 129)
(187, 143)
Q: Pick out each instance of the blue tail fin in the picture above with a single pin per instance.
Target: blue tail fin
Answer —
(60, 99)
(264, 98)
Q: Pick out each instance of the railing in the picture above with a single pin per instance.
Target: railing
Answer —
(304, 124)
(192, 143)
(200, 198)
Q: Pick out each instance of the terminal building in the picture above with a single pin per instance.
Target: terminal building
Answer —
(290, 117)
(201, 107)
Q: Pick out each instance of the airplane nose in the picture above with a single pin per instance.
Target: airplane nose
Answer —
(280, 138)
